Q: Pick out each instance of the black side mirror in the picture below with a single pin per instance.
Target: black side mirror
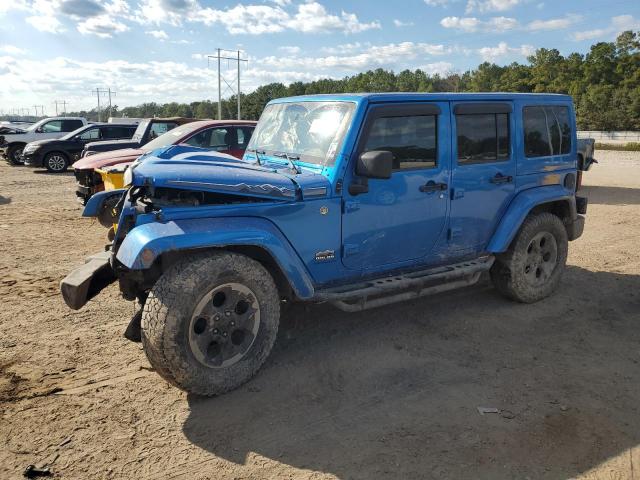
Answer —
(375, 164)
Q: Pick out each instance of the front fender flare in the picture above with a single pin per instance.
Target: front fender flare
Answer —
(145, 243)
(520, 207)
(94, 204)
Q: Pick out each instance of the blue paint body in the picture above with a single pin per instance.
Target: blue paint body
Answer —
(394, 227)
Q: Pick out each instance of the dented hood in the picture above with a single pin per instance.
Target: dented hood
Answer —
(192, 168)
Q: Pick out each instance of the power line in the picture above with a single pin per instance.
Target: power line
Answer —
(64, 106)
(99, 91)
(237, 59)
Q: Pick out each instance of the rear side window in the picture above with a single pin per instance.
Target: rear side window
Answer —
(71, 125)
(482, 137)
(411, 139)
(547, 131)
(114, 133)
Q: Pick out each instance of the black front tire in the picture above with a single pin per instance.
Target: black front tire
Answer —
(15, 154)
(182, 309)
(56, 162)
(532, 267)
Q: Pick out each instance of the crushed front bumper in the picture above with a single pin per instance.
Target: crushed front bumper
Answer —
(85, 282)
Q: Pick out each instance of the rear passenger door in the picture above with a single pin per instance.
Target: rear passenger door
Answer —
(483, 175)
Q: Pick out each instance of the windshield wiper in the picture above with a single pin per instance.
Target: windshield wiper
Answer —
(290, 159)
(258, 153)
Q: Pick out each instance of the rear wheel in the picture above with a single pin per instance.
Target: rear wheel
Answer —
(56, 162)
(210, 322)
(532, 267)
(15, 154)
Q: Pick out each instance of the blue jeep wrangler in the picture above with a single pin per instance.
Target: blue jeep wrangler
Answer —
(356, 200)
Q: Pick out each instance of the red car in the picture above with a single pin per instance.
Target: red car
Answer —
(226, 136)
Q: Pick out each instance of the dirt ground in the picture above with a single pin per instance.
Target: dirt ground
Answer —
(389, 393)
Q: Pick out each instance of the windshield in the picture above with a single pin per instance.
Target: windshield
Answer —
(36, 125)
(312, 131)
(139, 133)
(170, 137)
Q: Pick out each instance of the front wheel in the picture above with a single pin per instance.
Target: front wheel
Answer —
(15, 154)
(532, 267)
(56, 162)
(210, 322)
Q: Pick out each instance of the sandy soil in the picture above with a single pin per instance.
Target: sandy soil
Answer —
(390, 393)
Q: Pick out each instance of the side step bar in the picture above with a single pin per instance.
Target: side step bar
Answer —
(397, 288)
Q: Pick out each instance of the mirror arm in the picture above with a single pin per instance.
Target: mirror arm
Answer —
(356, 188)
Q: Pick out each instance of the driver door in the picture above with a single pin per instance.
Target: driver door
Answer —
(399, 219)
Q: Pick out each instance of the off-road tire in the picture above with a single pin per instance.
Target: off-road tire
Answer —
(168, 311)
(14, 153)
(508, 271)
(56, 162)
(106, 216)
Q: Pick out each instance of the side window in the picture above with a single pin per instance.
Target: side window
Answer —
(91, 134)
(158, 128)
(244, 135)
(482, 137)
(53, 126)
(547, 131)
(71, 125)
(221, 138)
(114, 133)
(200, 139)
(411, 139)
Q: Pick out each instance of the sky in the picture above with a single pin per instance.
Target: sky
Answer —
(156, 50)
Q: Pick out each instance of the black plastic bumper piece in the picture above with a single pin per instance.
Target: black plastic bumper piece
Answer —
(575, 228)
(581, 205)
(85, 282)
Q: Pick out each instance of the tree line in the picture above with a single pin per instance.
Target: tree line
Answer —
(604, 84)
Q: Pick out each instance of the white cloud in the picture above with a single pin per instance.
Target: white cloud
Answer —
(12, 50)
(309, 17)
(400, 23)
(439, 68)
(290, 50)
(438, 3)
(45, 23)
(491, 5)
(554, 23)
(472, 24)
(617, 25)
(81, 8)
(492, 54)
(103, 26)
(158, 34)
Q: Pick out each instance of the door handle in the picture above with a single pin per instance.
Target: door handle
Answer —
(432, 186)
(499, 178)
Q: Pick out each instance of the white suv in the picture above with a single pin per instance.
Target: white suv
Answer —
(11, 146)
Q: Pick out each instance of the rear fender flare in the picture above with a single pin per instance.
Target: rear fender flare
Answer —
(146, 243)
(520, 207)
(95, 203)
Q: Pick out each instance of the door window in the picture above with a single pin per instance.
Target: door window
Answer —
(547, 131)
(158, 128)
(200, 139)
(411, 139)
(482, 137)
(91, 134)
(71, 125)
(244, 135)
(114, 133)
(54, 126)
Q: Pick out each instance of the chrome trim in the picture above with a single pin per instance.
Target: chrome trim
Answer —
(314, 192)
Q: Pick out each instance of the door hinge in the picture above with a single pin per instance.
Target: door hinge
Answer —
(349, 249)
(457, 193)
(351, 206)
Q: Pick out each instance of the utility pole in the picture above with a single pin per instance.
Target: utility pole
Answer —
(219, 57)
(99, 91)
(36, 109)
(64, 106)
